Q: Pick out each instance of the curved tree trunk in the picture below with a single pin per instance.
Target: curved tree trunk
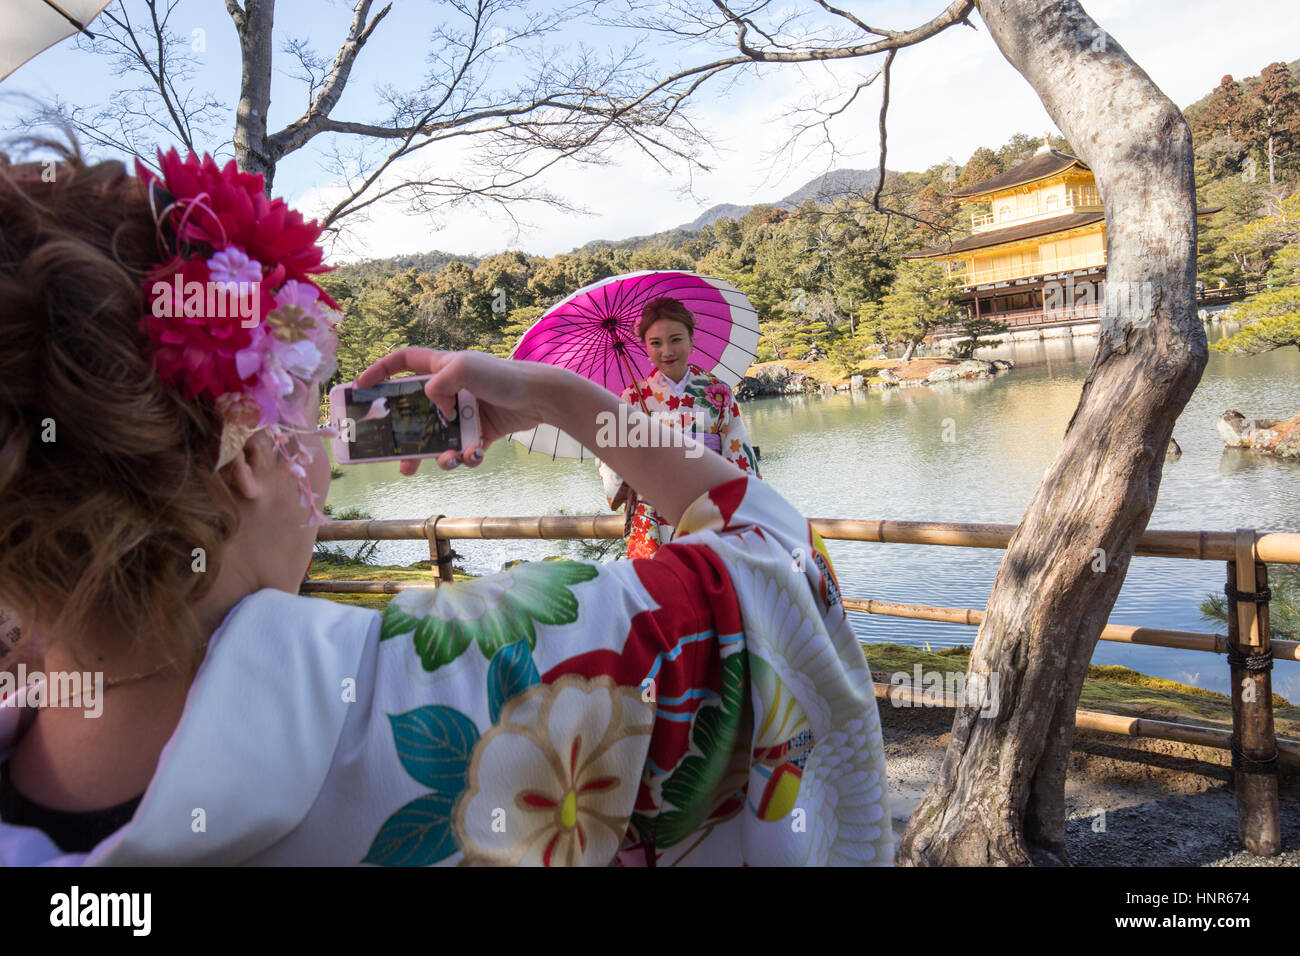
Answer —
(1000, 796)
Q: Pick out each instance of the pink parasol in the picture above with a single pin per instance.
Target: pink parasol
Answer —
(593, 333)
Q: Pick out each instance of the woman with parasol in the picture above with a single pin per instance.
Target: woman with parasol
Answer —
(685, 396)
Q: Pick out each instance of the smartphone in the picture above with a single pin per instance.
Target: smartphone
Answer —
(405, 424)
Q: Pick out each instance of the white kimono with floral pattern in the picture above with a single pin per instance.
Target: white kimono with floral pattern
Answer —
(709, 705)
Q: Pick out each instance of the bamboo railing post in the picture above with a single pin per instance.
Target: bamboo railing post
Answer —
(1250, 659)
(439, 553)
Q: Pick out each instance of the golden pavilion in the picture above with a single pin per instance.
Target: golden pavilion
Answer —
(1037, 258)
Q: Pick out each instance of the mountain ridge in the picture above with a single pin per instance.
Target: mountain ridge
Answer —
(823, 188)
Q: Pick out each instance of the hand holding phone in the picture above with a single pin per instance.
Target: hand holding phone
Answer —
(395, 420)
(508, 395)
(515, 396)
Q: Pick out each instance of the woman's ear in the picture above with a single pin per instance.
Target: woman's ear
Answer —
(247, 470)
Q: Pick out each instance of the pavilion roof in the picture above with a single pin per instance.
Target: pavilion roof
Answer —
(1027, 230)
(1041, 165)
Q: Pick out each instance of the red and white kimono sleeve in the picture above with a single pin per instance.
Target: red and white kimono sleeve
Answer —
(815, 781)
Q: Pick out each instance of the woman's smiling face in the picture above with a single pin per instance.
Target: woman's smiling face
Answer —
(669, 343)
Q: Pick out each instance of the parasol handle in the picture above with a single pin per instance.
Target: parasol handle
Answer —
(632, 379)
(629, 506)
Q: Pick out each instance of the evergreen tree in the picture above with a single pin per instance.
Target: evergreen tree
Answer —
(1271, 319)
(973, 330)
(1278, 117)
(922, 299)
(1263, 115)
(517, 323)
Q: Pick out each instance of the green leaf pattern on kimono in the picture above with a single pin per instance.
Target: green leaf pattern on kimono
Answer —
(693, 789)
(492, 612)
(511, 672)
(416, 835)
(434, 744)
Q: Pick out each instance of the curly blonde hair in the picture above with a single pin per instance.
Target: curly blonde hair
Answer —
(107, 485)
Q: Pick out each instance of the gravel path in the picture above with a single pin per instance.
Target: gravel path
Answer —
(1129, 802)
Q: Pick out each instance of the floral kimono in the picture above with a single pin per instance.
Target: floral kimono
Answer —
(700, 404)
(707, 706)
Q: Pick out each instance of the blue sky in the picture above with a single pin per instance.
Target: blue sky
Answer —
(950, 94)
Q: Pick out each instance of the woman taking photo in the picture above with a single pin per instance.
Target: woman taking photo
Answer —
(160, 482)
(684, 396)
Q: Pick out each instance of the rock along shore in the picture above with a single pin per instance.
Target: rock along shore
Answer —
(787, 378)
(1274, 436)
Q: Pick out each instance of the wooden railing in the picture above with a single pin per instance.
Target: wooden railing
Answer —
(1228, 293)
(1024, 319)
(1248, 644)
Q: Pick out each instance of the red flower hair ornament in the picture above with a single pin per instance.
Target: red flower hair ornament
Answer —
(235, 319)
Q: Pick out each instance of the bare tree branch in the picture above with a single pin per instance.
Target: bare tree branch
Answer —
(157, 67)
(856, 22)
(164, 106)
(236, 13)
(568, 107)
(884, 132)
(956, 12)
(777, 49)
(312, 122)
(312, 66)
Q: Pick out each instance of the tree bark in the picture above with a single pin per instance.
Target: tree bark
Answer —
(254, 28)
(1000, 796)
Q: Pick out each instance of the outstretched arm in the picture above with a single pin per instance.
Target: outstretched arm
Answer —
(514, 396)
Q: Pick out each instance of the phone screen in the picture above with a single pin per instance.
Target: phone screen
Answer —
(413, 425)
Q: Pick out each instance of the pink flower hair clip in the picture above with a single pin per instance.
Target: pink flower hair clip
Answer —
(235, 319)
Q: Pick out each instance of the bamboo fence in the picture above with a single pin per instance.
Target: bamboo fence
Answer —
(1248, 645)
